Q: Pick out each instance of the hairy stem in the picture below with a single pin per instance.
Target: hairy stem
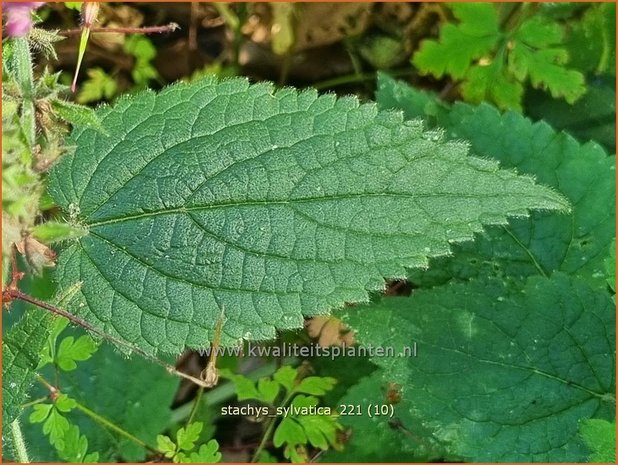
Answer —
(21, 453)
(23, 73)
(171, 27)
(12, 293)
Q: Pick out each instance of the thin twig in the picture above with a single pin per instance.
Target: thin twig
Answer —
(171, 27)
(12, 292)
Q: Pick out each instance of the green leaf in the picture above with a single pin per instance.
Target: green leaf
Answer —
(544, 67)
(494, 58)
(600, 437)
(98, 86)
(40, 413)
(610, 267)
(207, 453)
(21, 349)
(268, 389)
(64, 403)
(592, 40)
(245, 388)
(74, 5)
(473, 37)
(142, 49)
(316, 385)
(71, 351)
(592, 117)
(77, 115)
(491, 84)
(166, 445)
(289, 432)
(402, 438)
(286, 377)
(76, 447)
(147, 393)
(540, 244)
(51, 232)
(186, 218)
(186, 437)
(56, 426)
(523, 367)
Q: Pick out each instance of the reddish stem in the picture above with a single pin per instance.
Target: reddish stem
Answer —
(171, 27)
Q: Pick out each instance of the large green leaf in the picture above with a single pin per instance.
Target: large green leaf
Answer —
(542, 243)
(267, 204)
(522, 367)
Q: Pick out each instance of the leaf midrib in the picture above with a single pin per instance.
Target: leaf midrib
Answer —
(185, 209)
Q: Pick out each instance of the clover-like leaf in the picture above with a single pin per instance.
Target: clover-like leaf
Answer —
(186, 437)
(71, 350)
(522, 366)
(268, 205)
(207, 453)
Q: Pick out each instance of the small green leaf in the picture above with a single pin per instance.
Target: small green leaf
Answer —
(316, 385)
(286, 377)
(289, 432)
(71, 351)
(75, 448)
(77, 115)
(207, 453)
(473, 37)
(64, 403)
(56, 426)
(40, 412)
(268, 389)
(98, 86)
(166, 445)
(245, 388)
(270, 229)
(186, 437)
(51, 232)
(600, 437)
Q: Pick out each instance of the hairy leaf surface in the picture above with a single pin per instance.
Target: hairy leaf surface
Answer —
(522, 367)
(21, 352)
(268, 204)
(542, 243)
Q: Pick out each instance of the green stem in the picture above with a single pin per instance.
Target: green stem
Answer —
(272, 421)
(108, 424)
(233, 21)
(23, 74)
(21, 454)
(34, 402)
(196, 404)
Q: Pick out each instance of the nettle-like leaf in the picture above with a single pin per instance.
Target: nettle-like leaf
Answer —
(402, 438)
(270, 205)
(494, 62)
(21, 352)
(542, 243)
(522, 367)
